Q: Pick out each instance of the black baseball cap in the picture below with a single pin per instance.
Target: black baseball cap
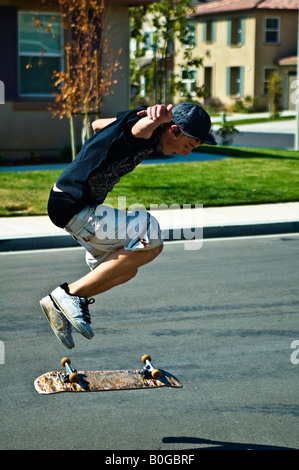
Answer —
(194, 122)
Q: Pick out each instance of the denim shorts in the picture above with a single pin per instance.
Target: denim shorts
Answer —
(102, 229)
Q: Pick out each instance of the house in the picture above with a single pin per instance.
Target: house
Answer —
(27, 127)
(242, 42)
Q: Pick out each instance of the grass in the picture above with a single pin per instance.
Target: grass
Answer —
(251, 176)
(255, 120)
(25, 193)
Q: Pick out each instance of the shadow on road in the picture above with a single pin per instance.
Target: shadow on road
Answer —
(206, 444)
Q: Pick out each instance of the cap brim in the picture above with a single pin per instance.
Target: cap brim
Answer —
(210, 140)
(207, 140)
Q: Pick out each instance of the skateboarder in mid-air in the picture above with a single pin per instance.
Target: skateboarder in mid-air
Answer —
(117, 243)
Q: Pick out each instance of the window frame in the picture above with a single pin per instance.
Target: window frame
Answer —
(277, 30)
(236, 27)
(189, 41)
(188, 82)
(238, 83)
(40, 54)
(209, 31)
(149, 43)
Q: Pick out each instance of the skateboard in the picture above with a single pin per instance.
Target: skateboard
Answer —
(70, 380)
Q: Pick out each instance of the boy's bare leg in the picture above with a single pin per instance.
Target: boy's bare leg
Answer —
(119, 267)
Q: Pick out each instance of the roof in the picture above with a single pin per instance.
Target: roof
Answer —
(292, 60)
(279, 4)
(132, 3)
(222, 6)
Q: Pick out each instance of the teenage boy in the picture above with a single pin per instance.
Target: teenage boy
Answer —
(117, 243)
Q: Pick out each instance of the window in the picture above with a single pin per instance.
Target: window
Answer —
(272, 30)
(209, 31)
(208, 80)
(189, 39)
(188, 82)
(40, 53)
(236, 32)
(268, 71)
(148, 39)
(235, 81)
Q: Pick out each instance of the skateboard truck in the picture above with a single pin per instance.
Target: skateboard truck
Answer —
(148, 371)
(103, 380)
(71, 375)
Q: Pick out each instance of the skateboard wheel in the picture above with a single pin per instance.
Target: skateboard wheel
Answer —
(145, 358)
(73, 378)
(65, 360)
(156, 374)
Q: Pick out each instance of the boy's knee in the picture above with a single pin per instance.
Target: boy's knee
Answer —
(159, 249)
(156, 251)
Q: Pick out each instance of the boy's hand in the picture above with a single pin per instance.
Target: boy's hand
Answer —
(159, 113)
(151, 119)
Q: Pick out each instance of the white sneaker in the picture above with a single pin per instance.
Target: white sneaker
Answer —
(75, 309)
(59, 324)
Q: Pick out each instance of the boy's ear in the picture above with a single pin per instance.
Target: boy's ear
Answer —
(174, 130)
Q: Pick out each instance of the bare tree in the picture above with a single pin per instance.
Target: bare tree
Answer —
(90, 64)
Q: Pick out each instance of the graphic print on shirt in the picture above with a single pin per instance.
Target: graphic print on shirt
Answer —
(104, 180)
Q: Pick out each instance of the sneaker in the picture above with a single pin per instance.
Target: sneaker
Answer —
(59, 324)
(75, 309)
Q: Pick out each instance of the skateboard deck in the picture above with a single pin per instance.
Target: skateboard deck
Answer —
(104, 380)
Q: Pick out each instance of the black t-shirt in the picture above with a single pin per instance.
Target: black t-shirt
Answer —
(108, 155)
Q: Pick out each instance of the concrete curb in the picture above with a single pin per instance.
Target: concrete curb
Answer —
(66, 241)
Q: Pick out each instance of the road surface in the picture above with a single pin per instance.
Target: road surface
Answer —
(222, 319)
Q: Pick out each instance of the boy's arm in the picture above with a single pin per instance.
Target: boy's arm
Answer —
(101, 123)
(154, 117)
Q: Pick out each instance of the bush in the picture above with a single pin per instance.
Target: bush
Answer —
(213, 105)
(246, 105)
(227, 133)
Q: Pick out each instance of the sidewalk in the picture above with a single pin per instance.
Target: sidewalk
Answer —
(264, 115)
(29, 233)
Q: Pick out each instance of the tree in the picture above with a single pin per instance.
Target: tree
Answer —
(169, 20)
(274, 90)
(90, 65)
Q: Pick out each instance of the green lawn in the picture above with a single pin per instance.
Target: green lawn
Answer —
(254, 120)
(251, 176)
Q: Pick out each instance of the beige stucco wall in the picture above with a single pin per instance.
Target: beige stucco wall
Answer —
(254, 55)
(219, 55)
(267, 55)
(118, 35)
(31, 133)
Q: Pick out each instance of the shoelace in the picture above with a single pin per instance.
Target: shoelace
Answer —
(84, 308)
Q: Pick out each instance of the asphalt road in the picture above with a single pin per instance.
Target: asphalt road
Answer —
(222, 319)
